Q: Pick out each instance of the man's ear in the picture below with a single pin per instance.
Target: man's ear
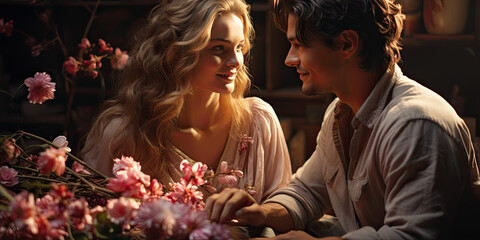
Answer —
(349, 42)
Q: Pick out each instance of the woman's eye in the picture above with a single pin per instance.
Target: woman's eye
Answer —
(218, 48)
(240, 47)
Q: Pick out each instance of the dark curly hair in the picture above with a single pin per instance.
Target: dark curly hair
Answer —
(378, 23)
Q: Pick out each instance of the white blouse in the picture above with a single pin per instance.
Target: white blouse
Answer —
(265, 162)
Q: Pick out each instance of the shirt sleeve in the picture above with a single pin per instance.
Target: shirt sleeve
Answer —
(306, 197)
(424, 172)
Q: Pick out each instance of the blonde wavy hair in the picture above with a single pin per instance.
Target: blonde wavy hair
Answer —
(155, 81)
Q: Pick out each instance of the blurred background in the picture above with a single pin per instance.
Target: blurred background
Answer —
(441, 51)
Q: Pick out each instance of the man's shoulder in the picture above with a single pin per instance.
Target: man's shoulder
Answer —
(412, 101)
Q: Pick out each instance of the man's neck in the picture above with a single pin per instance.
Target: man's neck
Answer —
(360, 85)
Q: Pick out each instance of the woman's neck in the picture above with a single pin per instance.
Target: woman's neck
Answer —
(204, 110)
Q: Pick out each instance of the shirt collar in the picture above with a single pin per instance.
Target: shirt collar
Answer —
(371, 109)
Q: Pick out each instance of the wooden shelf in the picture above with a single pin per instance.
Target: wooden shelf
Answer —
(463, 40)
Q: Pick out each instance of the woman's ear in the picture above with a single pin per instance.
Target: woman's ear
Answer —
(349, 42)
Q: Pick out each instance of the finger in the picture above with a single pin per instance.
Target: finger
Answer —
(250, 215)
(218, 205)
(237, 200)
(210, 202)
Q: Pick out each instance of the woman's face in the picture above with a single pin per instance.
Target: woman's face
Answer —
(221, 60)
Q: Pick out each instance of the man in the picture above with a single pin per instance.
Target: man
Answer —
(393, 159)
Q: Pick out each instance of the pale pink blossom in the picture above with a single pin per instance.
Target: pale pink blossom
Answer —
(8, 176)
(40, 88)
(156, 188)
(61, 192)
(210, 230)
(62, 143)
(128, 182)
(23, 212)
(79, 213)
(125, 163)
(119, 59)
(156, 219)
(104, 47)
(91, 65)
(227, 179)
(244, 143)
(84, 44)
(8, 150)
(185, 192)
(36, 50)
(6, 27)
(50, 228)
(79, 168)
(71, 66)
(122, 210)
(52, 160)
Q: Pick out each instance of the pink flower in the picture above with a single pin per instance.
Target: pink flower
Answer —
(156, 219)
(23, 212)
(227, 179)
(79, 168)
(8, 150)
(210, 230)
(71, 66)
(185, 192)
(156, 188)
(62, 143)
(122, 210)
(8, 176)
(40, 88)
(36, 50)
(125, 163)
(104, 47)
(84, 44)
(52, 160)
(119, 59)
(79, 213)
(6, 27)
(90, 66)
(244, 143)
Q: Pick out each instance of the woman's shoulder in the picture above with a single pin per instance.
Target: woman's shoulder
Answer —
(259, 105)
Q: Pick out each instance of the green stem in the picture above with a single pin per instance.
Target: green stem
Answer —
(40, 178)
(69, 154)
(4, 192)
(26, 168)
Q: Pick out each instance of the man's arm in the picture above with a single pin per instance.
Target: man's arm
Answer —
(238, 207)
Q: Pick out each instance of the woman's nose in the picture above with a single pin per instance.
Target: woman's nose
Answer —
(235, 59)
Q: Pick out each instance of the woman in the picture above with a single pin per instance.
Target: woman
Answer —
(181, 97)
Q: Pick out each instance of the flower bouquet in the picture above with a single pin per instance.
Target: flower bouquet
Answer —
(43, 198)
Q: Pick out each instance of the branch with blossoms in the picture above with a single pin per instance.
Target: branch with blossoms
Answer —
(86, 64)
(45, 199)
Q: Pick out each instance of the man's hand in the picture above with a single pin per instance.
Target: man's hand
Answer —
(292, 235)
(235, 204)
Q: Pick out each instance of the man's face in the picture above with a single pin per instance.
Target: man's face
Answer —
(319, 66)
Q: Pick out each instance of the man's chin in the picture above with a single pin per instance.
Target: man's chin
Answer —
(308, 91)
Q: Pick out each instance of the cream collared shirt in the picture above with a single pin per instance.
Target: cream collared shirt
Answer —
(411, 172)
